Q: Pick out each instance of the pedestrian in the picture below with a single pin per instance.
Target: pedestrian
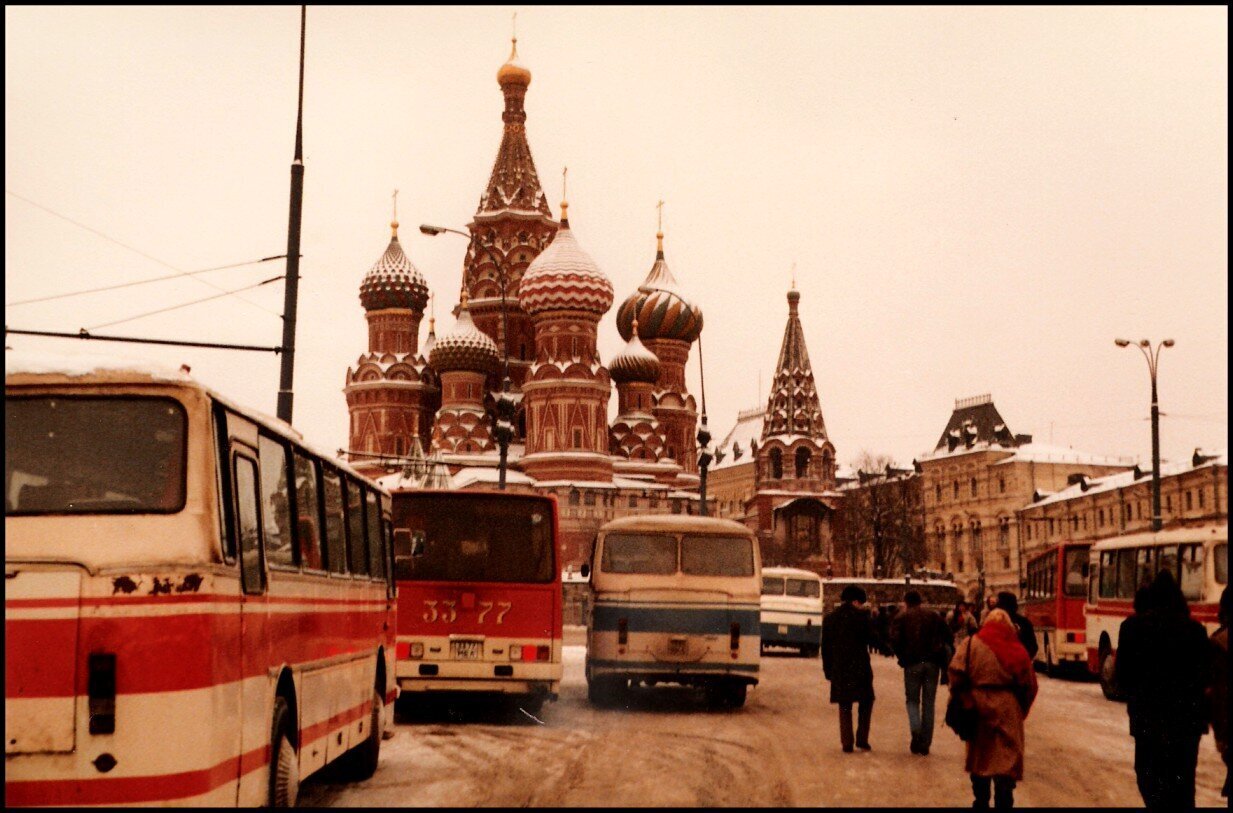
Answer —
(1162, 667)
(961, 622)
(847, 635)
(993, 674)
(1027, 633)
(990, 605)
(1219, 691)
(920, 639)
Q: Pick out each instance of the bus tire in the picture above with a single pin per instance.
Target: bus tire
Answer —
(284, 761)
(360, 762)
(1106, 674)
(1050, 668)
(605, 691)
(734, 694)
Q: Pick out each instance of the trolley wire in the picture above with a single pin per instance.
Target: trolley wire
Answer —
(183, 304)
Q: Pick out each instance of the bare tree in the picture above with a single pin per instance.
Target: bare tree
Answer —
(881, 527)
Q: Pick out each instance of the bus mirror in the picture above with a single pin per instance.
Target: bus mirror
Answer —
(417, 544)
(585, 571)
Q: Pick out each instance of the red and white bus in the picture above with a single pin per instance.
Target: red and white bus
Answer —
(479, 595)
(1199, 557)
(1053, 601)
(198, 606)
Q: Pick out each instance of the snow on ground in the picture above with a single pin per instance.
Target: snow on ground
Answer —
(782, 749)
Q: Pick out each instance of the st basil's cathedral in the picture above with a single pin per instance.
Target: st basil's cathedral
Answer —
(427, 415)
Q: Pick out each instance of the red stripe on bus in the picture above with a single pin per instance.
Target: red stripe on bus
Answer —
(318, 730)
(212, 598)
(133, 789)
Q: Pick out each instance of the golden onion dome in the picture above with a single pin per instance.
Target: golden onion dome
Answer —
(513, 71)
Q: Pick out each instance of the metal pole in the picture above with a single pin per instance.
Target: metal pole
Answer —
(1156, 519)
(291, 291)
(704, 438)
(504, 429)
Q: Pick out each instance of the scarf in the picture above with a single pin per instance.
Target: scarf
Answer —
(999, 634)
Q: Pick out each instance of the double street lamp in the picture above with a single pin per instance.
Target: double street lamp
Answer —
(503, 431)
(1153, 363)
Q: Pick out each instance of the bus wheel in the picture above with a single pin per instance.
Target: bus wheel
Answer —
(284, 762)
(734, 695)
(1050, 668)
(605, 691)
(810, 651)
(361, 761)
(1106, 674)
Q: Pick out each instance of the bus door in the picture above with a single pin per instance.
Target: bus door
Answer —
(254, 643)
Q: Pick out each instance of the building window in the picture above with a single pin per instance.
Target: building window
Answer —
(633, 501)
(802, 463)
(575, 496)
(577, 438)
(588, 498)
(1169, 503)
(956, 489)
(1002, 485)
(973, 486)
(1200, 498)
(1189, 501)
(776, 464)
(937, 492)
(1100, 517)
(1004, 532)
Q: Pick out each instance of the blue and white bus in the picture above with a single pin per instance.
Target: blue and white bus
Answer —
(792, 609)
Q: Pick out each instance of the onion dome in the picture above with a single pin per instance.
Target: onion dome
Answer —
(564, 277)
(634, 363)
(513, 72)
(658, 307)
(393, 282)
(465, 347)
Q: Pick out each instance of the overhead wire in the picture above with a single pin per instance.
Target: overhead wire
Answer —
(183, 304)
(135, 250)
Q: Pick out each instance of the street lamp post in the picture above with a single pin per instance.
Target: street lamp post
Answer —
(1153, 364)
(503, 431)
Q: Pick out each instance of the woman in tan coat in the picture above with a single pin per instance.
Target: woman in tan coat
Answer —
(992, 673)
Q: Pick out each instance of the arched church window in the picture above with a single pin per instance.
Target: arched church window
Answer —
(802, 463)
(575, 496)
(776, 464)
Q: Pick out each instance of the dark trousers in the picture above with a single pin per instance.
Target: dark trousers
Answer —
(1164, 767)
(864, 714)
(920, 684)
(1003, 788)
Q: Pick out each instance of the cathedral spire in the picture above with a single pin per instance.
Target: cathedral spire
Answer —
(793, 407)
(514, 184)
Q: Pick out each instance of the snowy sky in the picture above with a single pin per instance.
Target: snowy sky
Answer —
(977, 200)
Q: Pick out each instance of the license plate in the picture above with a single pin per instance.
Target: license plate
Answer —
(783, 629)
(467, 650)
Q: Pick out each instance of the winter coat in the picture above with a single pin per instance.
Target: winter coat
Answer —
(847, 634)
(1003, 703)
(919, 635)
(1027, 634)
(1220, 688)
(1162, 666)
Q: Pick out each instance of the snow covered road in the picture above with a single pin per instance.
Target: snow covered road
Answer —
(782, 749)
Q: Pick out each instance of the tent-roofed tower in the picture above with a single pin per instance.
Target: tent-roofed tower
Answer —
(514, 221)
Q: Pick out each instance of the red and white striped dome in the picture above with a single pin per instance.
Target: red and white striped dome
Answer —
(564, 277)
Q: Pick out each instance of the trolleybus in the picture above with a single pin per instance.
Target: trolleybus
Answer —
(479, 604)
(1053, 600)
(676, 600)
(1119, 566)
(792, 609)
(197, 608)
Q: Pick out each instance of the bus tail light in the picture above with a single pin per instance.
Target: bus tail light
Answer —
(101, 686)
(735, 641)
(528, 652)
(1076, 637)
(622, 632)
(543, 653)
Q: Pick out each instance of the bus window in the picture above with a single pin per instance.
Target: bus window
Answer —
(514, 544)
(1145, 571)
(308, 511)
(717, 556)
(335, 533)
(640, 553)
(1220, 555)
(1191, 577)
(275, 505)
(357, 551)
(249, 526)
(1093, 583)
(376, 543)
(1167, 560)
(772, 585)
(1126, 581)
(1074, 577)
(1108, 574)
(803, 588)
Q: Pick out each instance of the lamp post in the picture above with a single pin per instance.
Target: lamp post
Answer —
(1153, 364)
(503, 431)
(705, 453)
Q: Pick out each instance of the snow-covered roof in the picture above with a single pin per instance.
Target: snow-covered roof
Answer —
(77, 365)
(483, 474)
(1111, 482)
(1031, 453)
(746, 431)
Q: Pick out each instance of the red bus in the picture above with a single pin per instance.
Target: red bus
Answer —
(1197, 557)
(479, 595)
(1053, 601)
(198, 606)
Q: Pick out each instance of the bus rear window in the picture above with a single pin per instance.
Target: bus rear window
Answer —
(94, 455)
(650, 554)
(1221, 564)
(717, 556)
(772, 586)
(477, 538)
(804, 588)
(1074, 577)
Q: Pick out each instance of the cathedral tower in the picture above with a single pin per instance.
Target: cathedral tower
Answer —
(464, 358)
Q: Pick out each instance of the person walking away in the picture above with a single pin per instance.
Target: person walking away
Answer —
(992, 673)
(1218, 698)
(920, 640)
(847, 635)
(961, 622)
(1162, 667)
(990, 606)
(1027, 633)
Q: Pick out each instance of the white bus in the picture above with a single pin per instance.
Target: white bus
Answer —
(675, 601)
(1119, 566)
(198, 606)
(792, 609)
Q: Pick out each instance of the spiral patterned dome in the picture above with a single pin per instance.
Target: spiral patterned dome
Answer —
(564, 277)
(634, 363)
(659, 308)
(393, 282)
(465, 347)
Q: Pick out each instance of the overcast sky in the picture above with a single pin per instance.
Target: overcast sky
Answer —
(976, 200)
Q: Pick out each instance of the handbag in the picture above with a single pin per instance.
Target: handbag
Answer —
(961, 719)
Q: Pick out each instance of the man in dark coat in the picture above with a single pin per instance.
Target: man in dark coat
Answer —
(1162, 667)
(1027, 633)
(920, 639)
(847, 635)
(1219, 690)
